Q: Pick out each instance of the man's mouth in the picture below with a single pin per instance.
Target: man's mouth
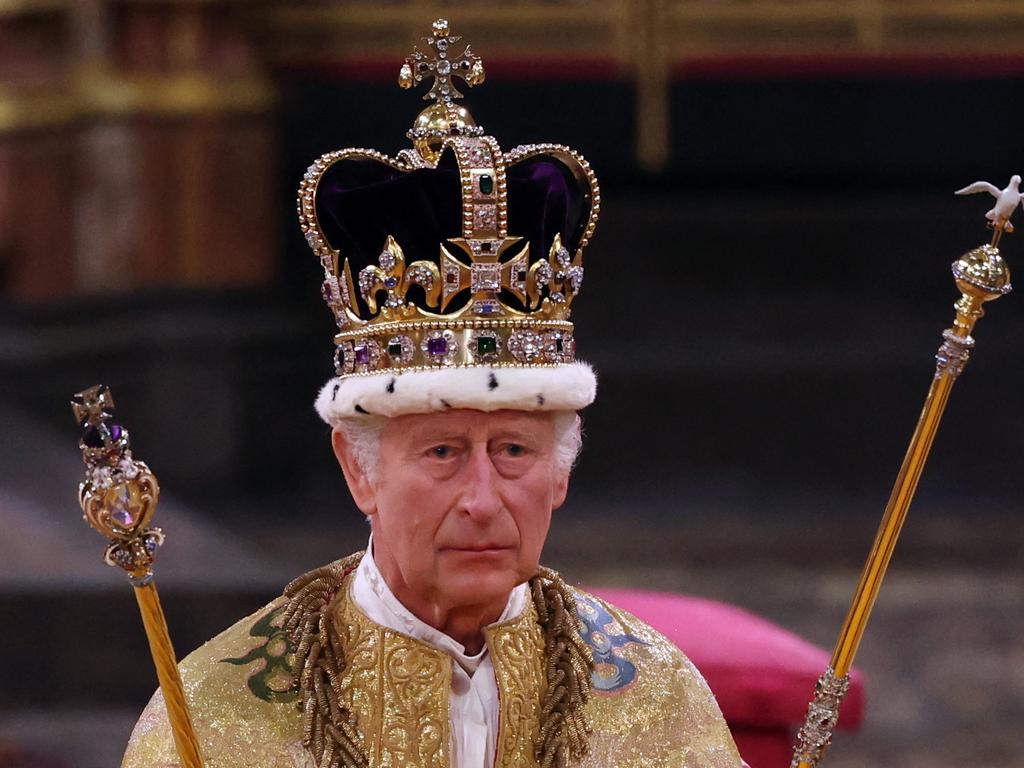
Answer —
(478, 548)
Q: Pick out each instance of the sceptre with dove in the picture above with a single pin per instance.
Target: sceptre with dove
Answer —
(1007, 201)
(981, 276)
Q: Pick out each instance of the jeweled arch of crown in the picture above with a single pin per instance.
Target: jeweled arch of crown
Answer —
(394, 316)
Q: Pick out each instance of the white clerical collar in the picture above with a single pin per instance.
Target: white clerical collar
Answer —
(375, 598)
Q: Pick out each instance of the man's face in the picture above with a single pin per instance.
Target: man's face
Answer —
(461, 503)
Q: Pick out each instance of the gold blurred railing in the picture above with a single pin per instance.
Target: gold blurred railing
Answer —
(642, 41)
(647, 42)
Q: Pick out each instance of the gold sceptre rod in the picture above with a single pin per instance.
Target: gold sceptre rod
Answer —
(981, 275)
(118, 497)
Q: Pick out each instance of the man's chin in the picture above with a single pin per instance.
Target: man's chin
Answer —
(475, 580)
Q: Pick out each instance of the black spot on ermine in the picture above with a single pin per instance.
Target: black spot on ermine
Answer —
(540, 399)
(334, 394)
(360, 409)
(446, 404)
(492, 381)
(391, 386)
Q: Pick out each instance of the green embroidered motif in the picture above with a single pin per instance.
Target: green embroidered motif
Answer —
(272, 680)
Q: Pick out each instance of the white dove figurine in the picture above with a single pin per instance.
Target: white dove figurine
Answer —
(1007, 201)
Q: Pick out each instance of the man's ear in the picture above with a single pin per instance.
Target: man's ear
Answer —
(561, 490)
(359, 485)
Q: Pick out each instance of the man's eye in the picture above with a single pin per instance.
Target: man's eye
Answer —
(441, 451)
(514, 449)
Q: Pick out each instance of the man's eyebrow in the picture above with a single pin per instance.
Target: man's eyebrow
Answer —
(515, 433)
(417, 436)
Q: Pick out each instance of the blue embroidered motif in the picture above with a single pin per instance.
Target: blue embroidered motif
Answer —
(611, 672)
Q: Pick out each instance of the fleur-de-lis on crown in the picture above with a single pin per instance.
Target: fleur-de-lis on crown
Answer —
(561, 273)
(391, 275)
(441, 65)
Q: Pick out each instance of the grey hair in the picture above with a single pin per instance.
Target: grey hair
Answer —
(363, 437)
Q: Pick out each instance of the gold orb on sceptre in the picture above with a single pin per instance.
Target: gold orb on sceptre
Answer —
(982, 273)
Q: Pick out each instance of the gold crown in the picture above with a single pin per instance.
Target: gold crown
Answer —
(482, 300)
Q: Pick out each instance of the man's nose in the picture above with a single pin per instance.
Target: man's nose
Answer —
(480, 497)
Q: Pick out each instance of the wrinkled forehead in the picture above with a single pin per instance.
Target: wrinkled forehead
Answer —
(470, 424)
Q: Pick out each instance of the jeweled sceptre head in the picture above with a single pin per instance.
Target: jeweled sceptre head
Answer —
(451, 268)
(119, 493)
(981, 276)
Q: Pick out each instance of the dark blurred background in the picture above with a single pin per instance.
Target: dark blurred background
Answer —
(780, 170)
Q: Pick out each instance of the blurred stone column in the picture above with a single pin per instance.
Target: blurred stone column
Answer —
(38, 112)
(177, 163)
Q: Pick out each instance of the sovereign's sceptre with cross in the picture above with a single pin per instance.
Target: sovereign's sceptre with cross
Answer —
(118, 497)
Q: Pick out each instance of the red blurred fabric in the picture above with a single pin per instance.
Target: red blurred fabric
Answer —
(762, 675)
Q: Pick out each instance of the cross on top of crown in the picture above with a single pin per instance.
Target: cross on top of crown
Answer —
(93, 405)
(441, 65)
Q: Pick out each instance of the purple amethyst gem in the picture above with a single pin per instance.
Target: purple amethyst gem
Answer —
(362, 354)
(438, 346)
(94, 436)
(391, 282)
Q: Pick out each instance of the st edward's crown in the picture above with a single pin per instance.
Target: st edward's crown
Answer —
(452, 254)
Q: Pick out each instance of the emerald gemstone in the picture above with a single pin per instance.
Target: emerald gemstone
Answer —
(395, 350)
(559, 346)
(486, 184)
(486, 345)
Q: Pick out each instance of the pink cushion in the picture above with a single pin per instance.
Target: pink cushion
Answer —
(762, 675)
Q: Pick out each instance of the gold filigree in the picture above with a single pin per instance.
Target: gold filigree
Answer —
(397, 688)
(517, 650)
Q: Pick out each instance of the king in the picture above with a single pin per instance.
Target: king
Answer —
(450, 270)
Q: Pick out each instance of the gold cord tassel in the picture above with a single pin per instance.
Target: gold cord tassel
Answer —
(328, 726)
(568, 665)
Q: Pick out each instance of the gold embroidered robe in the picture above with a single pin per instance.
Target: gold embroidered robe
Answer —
(650, 707)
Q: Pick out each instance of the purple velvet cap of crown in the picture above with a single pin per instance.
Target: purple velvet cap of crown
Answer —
(360, 201)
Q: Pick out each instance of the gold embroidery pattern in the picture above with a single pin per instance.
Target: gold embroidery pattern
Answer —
(666, 719)
(517, 651)
(398, 689)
